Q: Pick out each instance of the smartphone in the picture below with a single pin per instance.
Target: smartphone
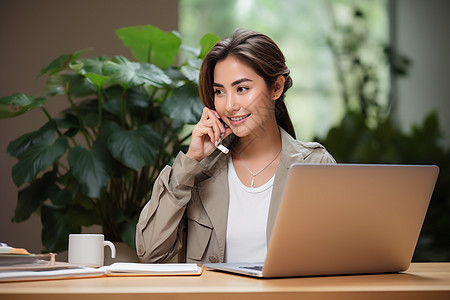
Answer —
(219, 142)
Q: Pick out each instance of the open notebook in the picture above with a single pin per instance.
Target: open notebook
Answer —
(345, 219)
(62, 270)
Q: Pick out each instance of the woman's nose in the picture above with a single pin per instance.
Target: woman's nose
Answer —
(232, 104)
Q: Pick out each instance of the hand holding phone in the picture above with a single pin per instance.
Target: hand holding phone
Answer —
(207, 135)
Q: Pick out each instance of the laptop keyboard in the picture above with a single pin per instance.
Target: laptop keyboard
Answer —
(257, 268)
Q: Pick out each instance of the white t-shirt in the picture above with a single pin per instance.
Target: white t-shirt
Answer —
(247, 219)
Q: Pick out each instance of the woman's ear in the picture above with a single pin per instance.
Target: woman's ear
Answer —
(278, 87)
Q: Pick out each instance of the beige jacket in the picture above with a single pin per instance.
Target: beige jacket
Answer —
(189, 204)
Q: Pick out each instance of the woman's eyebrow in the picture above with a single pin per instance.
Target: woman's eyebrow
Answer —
(240, 81)
(234, 82)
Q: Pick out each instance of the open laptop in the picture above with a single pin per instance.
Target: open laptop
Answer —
(337, 219)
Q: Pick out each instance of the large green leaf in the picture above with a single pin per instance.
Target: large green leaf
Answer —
(133, 148)
(192, 74)
(56, 228)
(91, 68)
(97, 80)
(184, 106)
(78, 85)
(86, 202)
(45, 134)
(61, 62)
(89, 65)
(131, 74)
(207, 42)
(91, 168)
(150, 44)
(113, 100)
(70, 122)
(18, 104)
(137, 100)
(60, 198)
(77, 215)
(31, 197)
(87, 113)
(37, 158)
(195, 62)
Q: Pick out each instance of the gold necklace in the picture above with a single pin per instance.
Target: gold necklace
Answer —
(254, 174)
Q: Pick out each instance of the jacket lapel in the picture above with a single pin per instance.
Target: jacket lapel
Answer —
(215, 198)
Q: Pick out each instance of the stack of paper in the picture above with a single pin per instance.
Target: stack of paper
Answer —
(5, 249)
(24, 267)
(12, 258)
(57, 273)
(18, 263)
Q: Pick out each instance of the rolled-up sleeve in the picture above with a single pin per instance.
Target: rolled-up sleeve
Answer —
(159, 230)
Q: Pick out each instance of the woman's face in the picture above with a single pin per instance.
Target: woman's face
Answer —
(242, 98)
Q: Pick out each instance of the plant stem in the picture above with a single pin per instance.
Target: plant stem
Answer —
(47, 113)
(50, 119)
(62, 166)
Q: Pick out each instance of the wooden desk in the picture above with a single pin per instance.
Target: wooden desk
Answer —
(421, 281)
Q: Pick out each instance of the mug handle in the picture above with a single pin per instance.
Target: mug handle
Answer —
(111, 246)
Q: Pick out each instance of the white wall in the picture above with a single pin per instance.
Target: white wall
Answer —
(423, 34)
(32, 34)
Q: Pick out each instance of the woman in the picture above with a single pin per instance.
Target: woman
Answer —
(221, 207)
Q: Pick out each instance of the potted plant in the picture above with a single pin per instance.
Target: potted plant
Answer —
(96, 161)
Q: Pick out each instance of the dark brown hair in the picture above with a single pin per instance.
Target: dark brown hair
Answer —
(260, 53)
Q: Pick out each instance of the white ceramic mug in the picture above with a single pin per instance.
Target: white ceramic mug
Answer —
(88, 249)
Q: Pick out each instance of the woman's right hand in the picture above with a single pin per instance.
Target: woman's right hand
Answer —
(205, 134)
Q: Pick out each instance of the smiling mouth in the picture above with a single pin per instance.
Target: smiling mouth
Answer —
(237, 119)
